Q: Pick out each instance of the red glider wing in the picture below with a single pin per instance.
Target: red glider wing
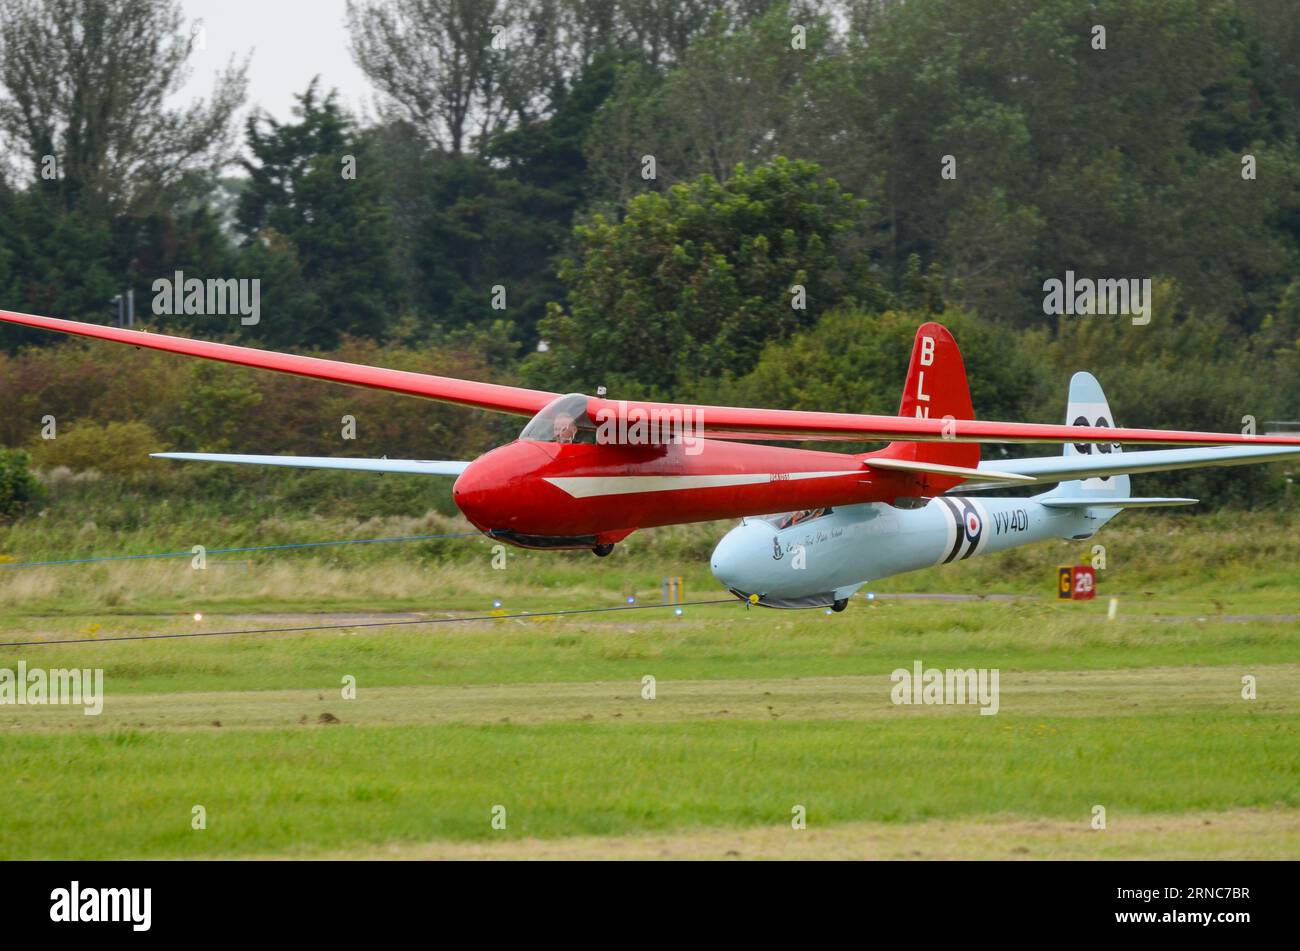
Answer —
(741, 423)
(725, 421)
(491, 396)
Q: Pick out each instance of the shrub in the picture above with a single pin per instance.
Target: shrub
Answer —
(18, 487)
(111, 448)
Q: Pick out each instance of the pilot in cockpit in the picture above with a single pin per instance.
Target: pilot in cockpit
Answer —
(794, 518)
(565, 429)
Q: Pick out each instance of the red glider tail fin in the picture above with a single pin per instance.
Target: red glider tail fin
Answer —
(936, 377)
(936, 389)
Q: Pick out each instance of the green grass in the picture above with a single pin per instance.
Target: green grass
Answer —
(130, 793)
(715, 642)
(1191, 564)
(583, 754)
(756, 710)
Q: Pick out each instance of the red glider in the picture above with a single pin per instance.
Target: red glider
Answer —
(586, 472)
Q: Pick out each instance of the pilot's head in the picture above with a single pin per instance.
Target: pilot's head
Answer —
(565, 429)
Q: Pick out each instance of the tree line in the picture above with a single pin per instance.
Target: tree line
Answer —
(731, 200)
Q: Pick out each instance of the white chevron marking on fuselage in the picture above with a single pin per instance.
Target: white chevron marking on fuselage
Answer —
(585, 487)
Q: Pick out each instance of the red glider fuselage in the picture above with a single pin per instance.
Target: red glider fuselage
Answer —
(574, 495)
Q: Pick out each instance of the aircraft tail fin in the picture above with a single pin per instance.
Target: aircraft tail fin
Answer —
(936, 388)
(936, 384)
(1087, 406)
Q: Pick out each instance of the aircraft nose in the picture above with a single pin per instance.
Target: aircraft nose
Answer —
(493, 488)
(470, 492)
(723, 562)
(736, 559)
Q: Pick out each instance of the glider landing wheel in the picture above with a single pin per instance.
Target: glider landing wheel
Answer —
(600, 551)
(840, 604)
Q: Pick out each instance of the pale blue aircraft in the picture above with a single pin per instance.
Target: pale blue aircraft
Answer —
(820, 558)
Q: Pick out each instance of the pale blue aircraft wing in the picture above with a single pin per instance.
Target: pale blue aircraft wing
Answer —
(411, 466)
(1066, 468)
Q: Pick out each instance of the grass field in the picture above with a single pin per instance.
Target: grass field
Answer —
(755, 712)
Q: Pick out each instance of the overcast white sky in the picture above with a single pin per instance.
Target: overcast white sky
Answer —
(291, 41)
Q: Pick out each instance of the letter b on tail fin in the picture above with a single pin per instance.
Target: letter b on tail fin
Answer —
(936, 377)
(936, 387)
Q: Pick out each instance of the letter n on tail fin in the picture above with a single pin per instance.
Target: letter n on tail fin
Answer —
(936, 387)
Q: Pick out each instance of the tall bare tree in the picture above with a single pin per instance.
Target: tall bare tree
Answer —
(459, 70)
(85, 101)
(435, 63)
(740, 93)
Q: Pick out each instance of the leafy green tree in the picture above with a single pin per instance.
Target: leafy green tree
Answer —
(213, 414)
(1277, 349)
(60, 262)
(693, 282)
(8, 285)
(742, 92)
(190, 239)
(856, 362)
(470, 225)
(112, 171)
(1117, 160)
(317, 229)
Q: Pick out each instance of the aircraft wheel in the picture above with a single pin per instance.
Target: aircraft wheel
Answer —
(600, 551)
(840, 604)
